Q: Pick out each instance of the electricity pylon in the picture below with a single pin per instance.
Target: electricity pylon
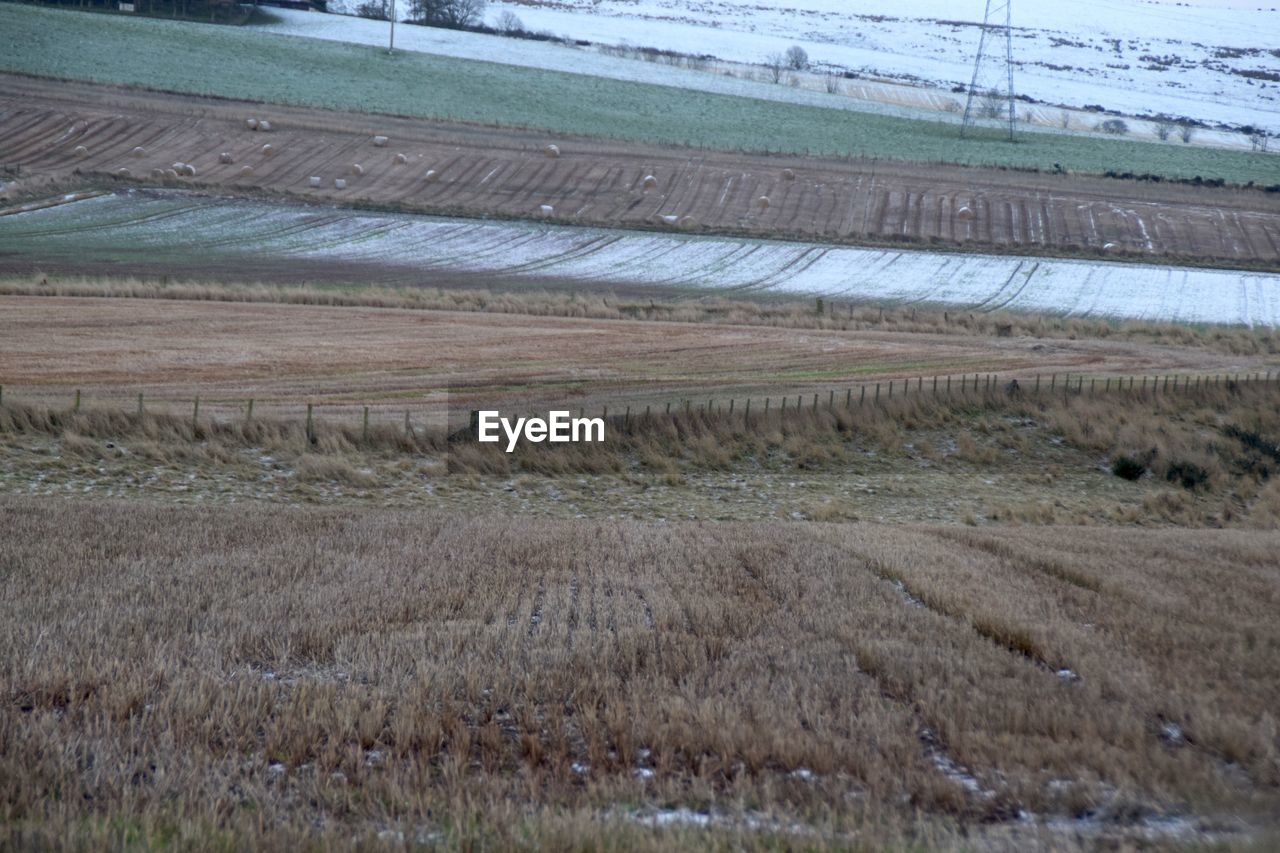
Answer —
(991, 89)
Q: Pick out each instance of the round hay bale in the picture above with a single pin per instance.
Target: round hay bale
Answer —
(546, 210)
(399, 159)
(788, 175)
(246, 171)
(178, 168)
(139, 151)
(379, 142)
(339, 184)
(124, 173)
(357, 169)
(171, 174)
(188, 170)
(649, 182)
(81, 151)
(251, 123)
(763, 202)
(669, 220)
(268, 150)
(225, 157)
(552, 151)
(964, 213)
(264, 126)
(1107, 247)
(157, 174)
(431, 175)
(314, 180)
(687, 223)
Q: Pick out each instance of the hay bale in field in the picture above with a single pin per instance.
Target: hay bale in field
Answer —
(431, 175)
(124, 173)
(157, 174)
(649, 182)
(225, 157)
(546, 210)
(188, 170)
(339, 184)
(668, 219)
(1107, 247)
(81, 151)
(314, 180)
(251, 123)
(264, 126)
(965, 213)
(788, 175)
(246, 171)
(379, 142)
(687, 223)
(139, 151)
(268, 150)
(171, 174)
(399, 159)
(763, 203)
(178, 167)
(552, 151)
(357, 169)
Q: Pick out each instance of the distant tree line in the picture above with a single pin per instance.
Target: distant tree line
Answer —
(226, 11)
(453, 14)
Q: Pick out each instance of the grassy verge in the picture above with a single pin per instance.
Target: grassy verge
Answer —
(222, 61)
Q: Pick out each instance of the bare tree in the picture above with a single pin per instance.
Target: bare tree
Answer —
(1165, 127)
(1259, 140)
(774, 63)
(796, 58)
(509, 23)
(1064, 119)
(1186, 131)
(833, 84)
(376, 10)
(991, 104)
(447, 13)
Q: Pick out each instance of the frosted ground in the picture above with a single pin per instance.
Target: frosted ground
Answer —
(1127, 55)
(135, 224)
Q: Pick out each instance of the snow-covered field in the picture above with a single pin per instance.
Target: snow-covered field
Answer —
(1134, 56)
(169, 224)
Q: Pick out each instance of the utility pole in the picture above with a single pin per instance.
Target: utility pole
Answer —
(986, 86)
(391, 47)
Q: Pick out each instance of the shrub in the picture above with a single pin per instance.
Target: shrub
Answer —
(1114, 126)
(796, 58)
(1189, 475)
(1128, 467)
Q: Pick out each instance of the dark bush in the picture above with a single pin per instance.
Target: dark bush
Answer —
(1188, 475)
(1128, 467)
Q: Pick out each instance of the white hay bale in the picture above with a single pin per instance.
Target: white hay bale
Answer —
(124, 173)
(339, 184)
(788, 175)
(546, 209)
(268, 150)
(139, 151)
(81, 151)
(379, 142)
(157, 174)
(251, 123)
(763, 202)
(171, 174)
(189, 170)
(964, 213)
(687, 223)
(399, 159)
(552, 151)
(649, 182)
(357, 169)
(670, 220)
(1108, 247)
(264, 126)
(314, 180)
(431, 175)
(246, 171)
(225, 157)
(178, 168)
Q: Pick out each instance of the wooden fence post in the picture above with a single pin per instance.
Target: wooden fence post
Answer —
(935, 384)
(848, 397)
(1037, 383)
(364, 426)
(831, 400)
(248, 416)
(890, 389)
(815, 403)
(1, 395)
(766, 405)
(877, 392)
(76, 406)
(140, 404)
(784, 405)
(311, 426)
(195, 415)
(731, 401)
(747, 413)
(862, 397)
(948, 386)
(408, 428)
(1052, 381)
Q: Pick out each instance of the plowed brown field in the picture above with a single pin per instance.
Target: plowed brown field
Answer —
(505, 172)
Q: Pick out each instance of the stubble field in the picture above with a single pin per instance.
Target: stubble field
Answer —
(434, 680)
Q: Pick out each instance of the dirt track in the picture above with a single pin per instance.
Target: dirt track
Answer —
(488, 171)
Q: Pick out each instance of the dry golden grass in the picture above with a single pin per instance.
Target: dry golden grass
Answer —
(230, 677)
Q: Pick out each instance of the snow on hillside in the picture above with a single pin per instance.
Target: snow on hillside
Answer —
(225, 229)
